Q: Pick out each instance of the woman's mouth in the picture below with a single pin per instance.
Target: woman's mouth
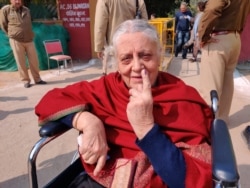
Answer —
(136, 78)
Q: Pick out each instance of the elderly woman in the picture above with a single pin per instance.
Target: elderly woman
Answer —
(141, 127)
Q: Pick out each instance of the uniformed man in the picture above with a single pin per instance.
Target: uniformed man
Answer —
(219, 34)
(109, 14)
(15, 21)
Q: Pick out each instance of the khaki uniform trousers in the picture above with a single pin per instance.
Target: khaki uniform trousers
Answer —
(20, 51)
(218, 61)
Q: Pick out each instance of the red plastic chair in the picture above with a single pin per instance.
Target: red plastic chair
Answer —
(55, 52)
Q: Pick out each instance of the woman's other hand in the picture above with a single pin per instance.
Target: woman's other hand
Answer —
(93, 145)
(140, 107)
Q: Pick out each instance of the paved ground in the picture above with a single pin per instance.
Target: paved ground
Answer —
(19, 130)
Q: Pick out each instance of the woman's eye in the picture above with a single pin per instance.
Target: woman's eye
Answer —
(146, 57)
(126, 59)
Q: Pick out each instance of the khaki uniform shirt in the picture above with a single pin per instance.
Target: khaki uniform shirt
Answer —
(223, 15)
(17, 23)
(109, 14)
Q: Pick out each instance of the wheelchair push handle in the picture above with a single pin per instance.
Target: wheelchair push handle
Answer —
(214, 101)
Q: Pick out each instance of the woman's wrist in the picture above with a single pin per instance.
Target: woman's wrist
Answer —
(141, 133)
(82, 119)
(76, 119)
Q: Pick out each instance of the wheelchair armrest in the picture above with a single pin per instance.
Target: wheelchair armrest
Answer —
(47, 132)
(224, 163)
(53, 128)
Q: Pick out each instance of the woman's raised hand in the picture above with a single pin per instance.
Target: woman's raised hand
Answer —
(140, 107)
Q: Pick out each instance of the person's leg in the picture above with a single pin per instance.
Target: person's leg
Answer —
(33, 61)
(233, 43)
(212, 69)
(19, 54)
(83, 180)
(104, 63)
(190, 41)
(195, 50)
(186, 36)
(218, 62)
(179, 43)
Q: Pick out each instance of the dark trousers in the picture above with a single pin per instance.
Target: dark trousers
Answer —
(182, 38)
(83, 180)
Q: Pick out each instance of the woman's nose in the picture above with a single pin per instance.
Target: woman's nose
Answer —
(137, 65)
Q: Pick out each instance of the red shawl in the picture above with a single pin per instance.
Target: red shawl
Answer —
(179, 110)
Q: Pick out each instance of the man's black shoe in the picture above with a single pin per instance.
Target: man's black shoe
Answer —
(41, 82)
(27, 85)
(176, 53)
(246, 135)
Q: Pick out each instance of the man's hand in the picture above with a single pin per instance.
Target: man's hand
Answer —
(93, 145)
(140, 107)
(189, 18)
(99, 55)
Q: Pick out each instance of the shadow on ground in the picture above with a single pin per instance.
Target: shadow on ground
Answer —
(75, 79)
(4, 114)
(44, 174)
(240, 117)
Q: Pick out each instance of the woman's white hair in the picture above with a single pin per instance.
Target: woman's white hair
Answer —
(131, 26)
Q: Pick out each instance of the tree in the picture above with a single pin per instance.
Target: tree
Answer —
(160, 7)
(163, 8)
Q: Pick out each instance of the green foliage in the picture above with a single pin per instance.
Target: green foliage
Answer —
(160, 7)
(41, 2)
(163, 8)
(42, 11)
(28, 2)
(42, 32)
(4, 2)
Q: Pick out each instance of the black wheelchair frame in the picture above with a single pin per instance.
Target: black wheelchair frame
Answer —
(224, 166)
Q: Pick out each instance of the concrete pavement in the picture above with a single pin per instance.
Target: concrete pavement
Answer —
(19, 130)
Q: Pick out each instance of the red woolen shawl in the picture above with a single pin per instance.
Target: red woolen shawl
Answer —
(179, 110)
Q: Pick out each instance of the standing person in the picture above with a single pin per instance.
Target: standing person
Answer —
(219, 34)
(15, 21)
(194, 38)
(182, 29)
(152, 16)
(109, 14)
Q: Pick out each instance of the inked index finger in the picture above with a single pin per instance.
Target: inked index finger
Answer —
(145, 80)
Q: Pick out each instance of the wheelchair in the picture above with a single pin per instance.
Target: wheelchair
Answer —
(224, 166)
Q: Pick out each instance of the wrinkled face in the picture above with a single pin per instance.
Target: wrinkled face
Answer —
(16, 3)
(135, 51)
(183, 8)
